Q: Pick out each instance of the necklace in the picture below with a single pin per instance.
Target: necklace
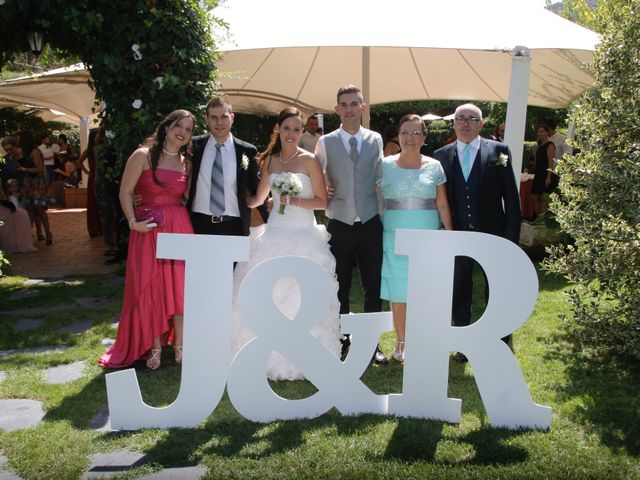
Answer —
(284, 162)
(170, 153)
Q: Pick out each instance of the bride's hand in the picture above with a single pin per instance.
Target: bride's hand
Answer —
(284, 200)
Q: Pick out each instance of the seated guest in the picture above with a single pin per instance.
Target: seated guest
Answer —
(15, 226)
(10, 165)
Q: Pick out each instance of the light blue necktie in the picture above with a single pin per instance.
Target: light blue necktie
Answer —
(466, 161)
(216, 198)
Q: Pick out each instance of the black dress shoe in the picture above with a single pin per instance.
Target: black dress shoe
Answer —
(461, 358)
(379, 358)
(346, 343)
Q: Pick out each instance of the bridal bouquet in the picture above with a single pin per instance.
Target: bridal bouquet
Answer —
(286, 183)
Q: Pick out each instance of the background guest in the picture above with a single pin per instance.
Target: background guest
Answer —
(543, 179)
(93, 220)
(415, 196)
(10, 165)
(47, 157)
(15, 225)
(34, 185)
(390, 143)
(498, 133)
(310, 137)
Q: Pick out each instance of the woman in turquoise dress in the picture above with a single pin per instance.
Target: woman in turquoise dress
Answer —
(415, 197)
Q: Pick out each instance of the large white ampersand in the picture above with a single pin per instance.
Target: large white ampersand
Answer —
(338, 383)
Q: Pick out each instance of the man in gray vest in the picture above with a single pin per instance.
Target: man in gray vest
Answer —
(351, 157)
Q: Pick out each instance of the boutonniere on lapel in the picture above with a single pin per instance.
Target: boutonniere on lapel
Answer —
(244, 162)
(502, 160)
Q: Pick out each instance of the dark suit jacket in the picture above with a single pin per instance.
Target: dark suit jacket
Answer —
(246, 180)
(490, 185)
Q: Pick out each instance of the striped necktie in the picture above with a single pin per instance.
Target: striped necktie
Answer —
(216, 199)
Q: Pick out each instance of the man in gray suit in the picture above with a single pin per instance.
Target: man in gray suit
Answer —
(351, 156)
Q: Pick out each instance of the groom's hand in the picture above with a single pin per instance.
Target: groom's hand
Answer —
(269, 204)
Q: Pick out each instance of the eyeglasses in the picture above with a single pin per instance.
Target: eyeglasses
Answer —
(467, 120)
(413, 133)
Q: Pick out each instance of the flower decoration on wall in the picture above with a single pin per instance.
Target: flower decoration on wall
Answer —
(135, 48)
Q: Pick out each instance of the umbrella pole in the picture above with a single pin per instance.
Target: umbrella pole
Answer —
(517, 106)
(366, 84)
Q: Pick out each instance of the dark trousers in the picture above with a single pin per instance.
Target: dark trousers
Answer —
(202, 224)
(361, 242)
(463, 292)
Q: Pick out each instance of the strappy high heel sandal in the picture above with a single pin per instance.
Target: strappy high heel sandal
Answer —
(398, 352)
(177, 352)
(153, 362)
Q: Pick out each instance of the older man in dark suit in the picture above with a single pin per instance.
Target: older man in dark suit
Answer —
(224, 173)
(483, 197)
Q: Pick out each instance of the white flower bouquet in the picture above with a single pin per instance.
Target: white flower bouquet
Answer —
(286, 183)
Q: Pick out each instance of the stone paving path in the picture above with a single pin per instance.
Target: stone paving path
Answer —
(73, 252)
(65, 373)
(6, 474)
(104, 465)
(16, 414)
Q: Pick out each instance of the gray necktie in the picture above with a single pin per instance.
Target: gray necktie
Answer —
(354, 149)
(216, 200)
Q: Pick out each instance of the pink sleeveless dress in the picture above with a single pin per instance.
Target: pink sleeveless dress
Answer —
(154, 288)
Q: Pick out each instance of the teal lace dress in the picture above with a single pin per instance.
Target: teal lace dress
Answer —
(409, 198)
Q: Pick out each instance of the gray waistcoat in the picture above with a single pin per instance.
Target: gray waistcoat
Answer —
(355, 184)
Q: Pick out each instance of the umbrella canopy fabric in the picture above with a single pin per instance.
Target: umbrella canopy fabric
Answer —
(417, 50)
(429, 117)
(65, 90)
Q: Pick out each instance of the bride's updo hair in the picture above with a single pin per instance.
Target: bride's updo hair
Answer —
(274, 143)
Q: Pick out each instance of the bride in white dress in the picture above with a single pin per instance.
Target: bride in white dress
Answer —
(293, 233)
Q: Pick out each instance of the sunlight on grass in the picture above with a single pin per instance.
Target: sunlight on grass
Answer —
(595, 431)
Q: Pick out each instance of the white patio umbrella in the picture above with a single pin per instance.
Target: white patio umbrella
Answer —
(278, 54)
(429, 117)
(64, 90)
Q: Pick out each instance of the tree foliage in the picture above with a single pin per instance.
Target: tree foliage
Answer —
(145, 57)
(600, 201)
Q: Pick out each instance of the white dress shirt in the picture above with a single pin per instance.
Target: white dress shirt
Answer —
(475, 146)
(202, 200)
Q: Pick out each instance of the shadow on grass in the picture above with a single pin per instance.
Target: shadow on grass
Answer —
(226, 434)
(609, 404)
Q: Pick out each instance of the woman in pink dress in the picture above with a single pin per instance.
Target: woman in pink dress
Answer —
(154, 288)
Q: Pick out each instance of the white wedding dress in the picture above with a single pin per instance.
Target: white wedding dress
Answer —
(293, 233)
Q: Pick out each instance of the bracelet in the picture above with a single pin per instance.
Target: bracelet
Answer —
(132, 221)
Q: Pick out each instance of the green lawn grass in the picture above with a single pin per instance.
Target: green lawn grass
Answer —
(594, 432)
